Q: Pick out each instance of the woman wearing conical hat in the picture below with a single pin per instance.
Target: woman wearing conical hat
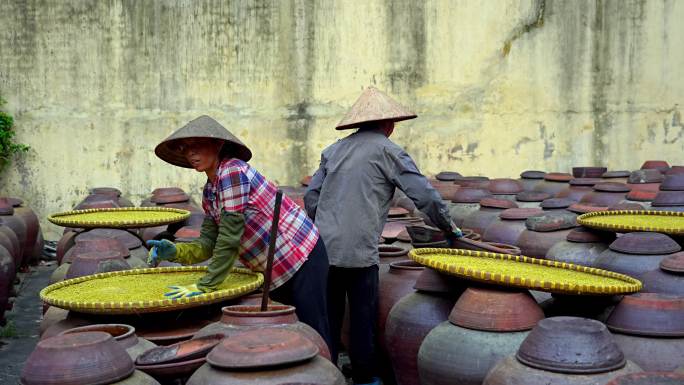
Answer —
(349, 197)
(239, 203)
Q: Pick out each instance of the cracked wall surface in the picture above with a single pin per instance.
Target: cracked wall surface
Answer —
(499, 86)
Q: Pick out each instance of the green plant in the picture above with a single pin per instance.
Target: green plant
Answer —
(9, 330)
(8, 148)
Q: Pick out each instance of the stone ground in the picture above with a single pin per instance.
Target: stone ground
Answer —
(24, 321)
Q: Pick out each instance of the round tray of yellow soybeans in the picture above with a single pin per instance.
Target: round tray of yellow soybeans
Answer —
(525, 272)
(124, 217)
(142, 290)
(623, 221)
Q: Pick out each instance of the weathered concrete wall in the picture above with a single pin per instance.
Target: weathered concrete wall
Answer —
(500, 86)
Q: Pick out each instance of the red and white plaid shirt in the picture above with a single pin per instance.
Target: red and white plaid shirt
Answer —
(240, 188)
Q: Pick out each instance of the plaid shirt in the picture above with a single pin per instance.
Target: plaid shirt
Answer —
(240, 188)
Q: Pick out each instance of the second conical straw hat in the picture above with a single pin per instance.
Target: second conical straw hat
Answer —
(374, 105)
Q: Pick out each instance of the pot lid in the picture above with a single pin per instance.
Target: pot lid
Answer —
(616, 174)
(505, 186)
(583, 234)
(649, 314)
(581, 208)
(626, 206)
(649, 378)
(532, 174)
(674, 263)
(584, 181)
(106, 191)
(520, 213)
(645, 243)
(448, 176)
(655, 164)
(496, 310)
(496, 203)
(645, 176)
(556, 203)
(262, 348)
(168, 191)
(5, 207)
(668, 198)
(641, 195)
(472, 181)
(470, 195)
(128, 239)
(613, 187)
(673, 182)
(432, 281)
(551, 221)
(170, 198)
(571, 345)
(675, 170)
(558, 177)
(532, 196)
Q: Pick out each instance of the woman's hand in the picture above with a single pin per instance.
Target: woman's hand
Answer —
(178, 292)
(160, 251)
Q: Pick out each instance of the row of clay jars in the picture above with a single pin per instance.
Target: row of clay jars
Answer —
(563, 351)
(414, 316)
(14, 222)
(530, 178)
(33, 245)
(7, 274)
(485, 325)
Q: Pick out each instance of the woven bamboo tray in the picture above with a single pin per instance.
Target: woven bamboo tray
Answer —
(125, 217)
(532, 273)
(623, 221)
(98, 288)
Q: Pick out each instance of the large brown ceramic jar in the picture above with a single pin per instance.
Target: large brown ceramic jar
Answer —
(465, 202)
(606, 194)
(668, 201)
(530, 179)
(649, 378)
(544, 231)
(268, 356)
(637, 253)
(596, 307)
(124, 335)
(578, 188)
(10, 241)
(239, 318)
(138, 252)
(505, 188)
(508, 227)
(531, 199)
(7, 274)
(446, 189)
(96, 262)
(659, 165)
(30, 219)
(588, 172)
(668, 279)
(485, 325)
(394, 285)
(620, 176)
(582, 246)
(447, 176)
(17, 225)
(553, 183)
(649, 328)
(413, 317)
(490, 208)
(563, 351)
(480, 182)
(645, 180)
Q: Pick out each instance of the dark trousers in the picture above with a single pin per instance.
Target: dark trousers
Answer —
(306, 292)
(360, 287)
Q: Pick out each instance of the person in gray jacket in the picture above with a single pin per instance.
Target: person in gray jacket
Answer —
(349, 197)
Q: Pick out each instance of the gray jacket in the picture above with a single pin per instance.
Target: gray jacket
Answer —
(350, 194)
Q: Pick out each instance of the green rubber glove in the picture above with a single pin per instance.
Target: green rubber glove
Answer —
(163, 250)
(178, 291)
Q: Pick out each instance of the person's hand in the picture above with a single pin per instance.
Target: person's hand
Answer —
(179, 291)
(160, 251)
(456, 232)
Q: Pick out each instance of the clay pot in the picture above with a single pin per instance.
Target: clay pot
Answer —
(530, 179)
(645, 180)
(508, 227)
(588, 172)
(9, 240)
(490, 208)
(649, 378)
(447, 176)
(96, 262)
(553, 183)
(170, 198)
(606, 194)
(579, 208)
(668, 279)
(581, 247)
(556, 204)
(88, 245)
(394, 285)
(17, 225)
(240, 318)
(563, 350)
(479, 182)
(659, 165)
(544, 231)
(107, 362)
(32, 228)
(578, 188)
(446, 190)
(668, 199)
(129, 240)
(649, 328)
(621, 176)
(124, 335)
(492, 247)
(7, 274)
(505, 187)
(67, 241)
(413, 317)
(266, 356)
(531, 199)
(673, 182)
(390, 253)
(161, 191)
(586, 306)
(465, 202)
(484, 326)
(626, 205)
(637, 253)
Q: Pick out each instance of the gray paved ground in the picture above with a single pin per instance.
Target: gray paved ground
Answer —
(26, 319)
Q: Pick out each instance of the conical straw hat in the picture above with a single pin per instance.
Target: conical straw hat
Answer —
(202, 127)
(374, 105)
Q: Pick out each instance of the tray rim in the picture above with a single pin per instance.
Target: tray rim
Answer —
(421, 256)
(152, 306)
(585, 220)
(55, 218)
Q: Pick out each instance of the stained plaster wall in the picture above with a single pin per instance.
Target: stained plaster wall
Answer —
(499, 86)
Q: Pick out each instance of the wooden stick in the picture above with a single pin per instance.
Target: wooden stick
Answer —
(271, 250)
